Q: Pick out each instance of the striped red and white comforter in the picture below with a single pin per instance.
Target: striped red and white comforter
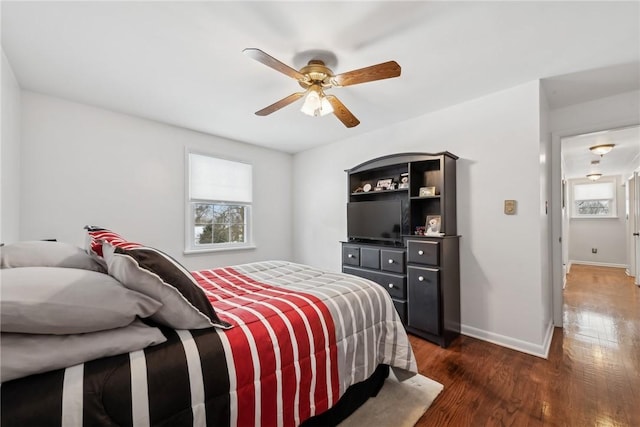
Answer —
(301, 337)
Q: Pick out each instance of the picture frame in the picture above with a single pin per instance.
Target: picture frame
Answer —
(385, 183)
(427, 191)
(432, 225)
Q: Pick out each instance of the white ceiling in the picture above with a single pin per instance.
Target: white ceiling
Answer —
(620, 160)
(182, 63)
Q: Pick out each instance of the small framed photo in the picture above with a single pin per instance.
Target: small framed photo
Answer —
(433, 225)
(385, 184)
(427, 191)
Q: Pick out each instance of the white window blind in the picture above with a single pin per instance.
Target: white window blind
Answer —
(594, 200)
(218, 179)
(598, 191)
(218, 204)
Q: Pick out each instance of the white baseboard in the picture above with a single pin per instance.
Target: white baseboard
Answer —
(539, 350)
(600, 264)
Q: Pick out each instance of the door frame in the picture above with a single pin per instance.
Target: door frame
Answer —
(557, 243)
(634, 225)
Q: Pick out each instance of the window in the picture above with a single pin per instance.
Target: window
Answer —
(219, 205)
(594, 200)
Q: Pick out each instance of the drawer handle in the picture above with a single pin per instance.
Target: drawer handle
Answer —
(421, 252)
(350, 255)
(420, 279)
(390, 261)
(391, 285)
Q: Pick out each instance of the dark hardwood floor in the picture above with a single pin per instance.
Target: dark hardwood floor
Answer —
(591, 378)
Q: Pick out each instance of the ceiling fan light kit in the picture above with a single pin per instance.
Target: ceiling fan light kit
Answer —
(316, 103)
(315, 77)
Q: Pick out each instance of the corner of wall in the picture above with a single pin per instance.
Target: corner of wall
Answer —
(10, 154)
(539, 350)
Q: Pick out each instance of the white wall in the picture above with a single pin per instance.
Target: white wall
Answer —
(10, 155)
(498, 142)
(84, 165)
(605, 113)
(546, 297)
(604, 234)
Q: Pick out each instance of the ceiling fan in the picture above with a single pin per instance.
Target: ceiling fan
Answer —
(315, 77)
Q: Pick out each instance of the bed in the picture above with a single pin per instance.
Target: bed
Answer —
(280, 344)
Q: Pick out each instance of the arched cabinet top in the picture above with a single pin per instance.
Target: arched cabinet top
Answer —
(394, 159)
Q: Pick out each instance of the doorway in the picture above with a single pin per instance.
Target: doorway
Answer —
(572, 163)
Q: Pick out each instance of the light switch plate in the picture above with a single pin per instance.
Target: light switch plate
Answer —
(510, 207)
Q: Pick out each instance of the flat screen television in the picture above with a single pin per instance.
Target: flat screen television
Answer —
(375, 220)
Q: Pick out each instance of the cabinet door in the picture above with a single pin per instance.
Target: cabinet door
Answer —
(424, 299)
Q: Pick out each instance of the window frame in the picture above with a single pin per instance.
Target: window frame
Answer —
(613, 202)
(190, 241)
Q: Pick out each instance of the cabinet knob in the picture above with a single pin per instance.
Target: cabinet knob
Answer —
(420, 252)
(391, 285)
(350, 256)
(420, 278)
(390, 261)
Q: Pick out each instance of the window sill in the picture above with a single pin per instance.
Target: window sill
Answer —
(220, 249)
(595, 217)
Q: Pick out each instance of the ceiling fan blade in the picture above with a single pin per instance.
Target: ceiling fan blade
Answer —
(386, 70)
(272, 62)
(280, 104)
(342, 113)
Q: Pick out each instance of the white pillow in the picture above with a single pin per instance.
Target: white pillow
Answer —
(54, 300)
(41, 253)
(28, 354)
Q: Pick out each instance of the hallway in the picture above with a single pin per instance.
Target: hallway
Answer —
(592, 376)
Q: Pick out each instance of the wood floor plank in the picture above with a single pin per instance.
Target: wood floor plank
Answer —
(591, 378)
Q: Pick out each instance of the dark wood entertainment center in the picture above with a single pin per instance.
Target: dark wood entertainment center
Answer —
(420, 272)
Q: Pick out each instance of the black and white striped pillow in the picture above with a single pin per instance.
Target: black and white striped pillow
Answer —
(157, 275)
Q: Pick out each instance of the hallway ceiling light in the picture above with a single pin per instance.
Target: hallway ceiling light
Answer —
(594, 175)
(601, 149)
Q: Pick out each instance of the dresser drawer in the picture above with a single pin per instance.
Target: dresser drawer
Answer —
(423, 252)
(395, 284)
(391, 260)
(401, 308)
(370, 258)
(351, 255)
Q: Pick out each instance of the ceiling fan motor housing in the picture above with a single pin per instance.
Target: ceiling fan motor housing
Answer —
(318, 74)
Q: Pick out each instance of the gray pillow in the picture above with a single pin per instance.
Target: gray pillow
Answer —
(28, 354)
(39, 253)
(54, 300)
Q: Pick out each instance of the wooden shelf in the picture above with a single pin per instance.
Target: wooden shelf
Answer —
(362, 193)
(437, 196)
